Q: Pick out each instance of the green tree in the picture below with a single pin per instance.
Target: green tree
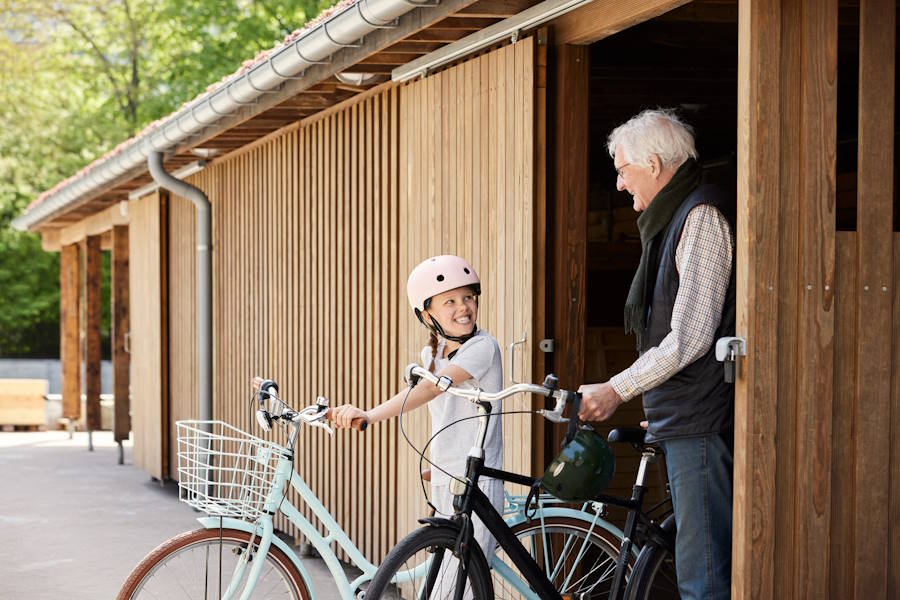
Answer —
(78, 77)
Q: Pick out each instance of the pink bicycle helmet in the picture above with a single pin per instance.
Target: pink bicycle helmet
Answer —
(434, 276)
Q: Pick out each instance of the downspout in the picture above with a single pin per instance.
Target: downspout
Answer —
(204, 277)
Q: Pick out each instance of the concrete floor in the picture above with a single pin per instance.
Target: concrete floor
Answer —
(73, 523)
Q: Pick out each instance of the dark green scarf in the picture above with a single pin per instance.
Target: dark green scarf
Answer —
(650, 223)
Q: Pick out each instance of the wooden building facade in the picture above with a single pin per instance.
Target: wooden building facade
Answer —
(320, 211)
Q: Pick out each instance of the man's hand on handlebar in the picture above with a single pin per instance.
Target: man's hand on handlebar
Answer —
(599, 401)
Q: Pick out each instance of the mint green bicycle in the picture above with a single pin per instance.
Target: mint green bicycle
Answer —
(238, 480)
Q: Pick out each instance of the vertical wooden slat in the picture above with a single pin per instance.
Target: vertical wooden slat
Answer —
(757, 278)
(893, 586)
(93, 277)
(845, 381)
(816, 307)
(875, 193)
(69, 343)
(120, 327)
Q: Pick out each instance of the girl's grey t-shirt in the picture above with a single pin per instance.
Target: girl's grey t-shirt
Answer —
(480, 358)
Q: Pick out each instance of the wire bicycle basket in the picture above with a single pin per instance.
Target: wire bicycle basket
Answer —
(223, 471)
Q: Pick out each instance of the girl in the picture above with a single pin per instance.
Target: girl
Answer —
(443, 292)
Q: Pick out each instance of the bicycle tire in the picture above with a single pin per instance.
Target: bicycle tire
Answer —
(180, 555)
(567, 537)
(654, 575)
(431, 541)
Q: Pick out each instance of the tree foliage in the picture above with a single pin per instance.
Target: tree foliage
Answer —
(77, 77)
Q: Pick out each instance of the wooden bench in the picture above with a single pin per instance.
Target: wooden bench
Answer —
(22, 402)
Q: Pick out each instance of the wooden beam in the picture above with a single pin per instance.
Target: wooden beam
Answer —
(603, 18)
(757, 278)
(69, 342)
(119, 306)
(817, 95)
(117, 214)
(875, 196)
(50, 240)
(93, 279)
(568, 204)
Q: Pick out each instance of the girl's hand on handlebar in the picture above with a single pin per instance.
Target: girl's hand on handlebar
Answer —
(343, 416)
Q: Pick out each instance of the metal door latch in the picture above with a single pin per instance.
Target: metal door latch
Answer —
(727, 351)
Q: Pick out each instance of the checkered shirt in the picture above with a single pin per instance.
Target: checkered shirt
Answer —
(703, 259)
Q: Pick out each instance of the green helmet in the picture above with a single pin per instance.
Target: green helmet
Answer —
(583, 468)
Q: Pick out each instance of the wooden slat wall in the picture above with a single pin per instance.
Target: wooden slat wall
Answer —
(467, 157)
(182, 293)
(148, 378)
(305, 291)
(818, 308)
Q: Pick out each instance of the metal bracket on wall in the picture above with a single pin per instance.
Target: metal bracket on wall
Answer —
(727, 351)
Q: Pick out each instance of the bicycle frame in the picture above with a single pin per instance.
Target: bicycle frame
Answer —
(276, 501)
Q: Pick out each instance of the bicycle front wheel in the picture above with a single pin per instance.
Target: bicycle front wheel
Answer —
(579, 557)
(422, 566)
(188, 566)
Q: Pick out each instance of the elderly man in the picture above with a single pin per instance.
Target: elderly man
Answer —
(681, 300)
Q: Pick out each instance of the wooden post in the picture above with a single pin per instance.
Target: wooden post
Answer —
(875, 196)
(93, 280)
(69, 343)
(120, 327)
(569, 164)
(540, 447)
(757, 276)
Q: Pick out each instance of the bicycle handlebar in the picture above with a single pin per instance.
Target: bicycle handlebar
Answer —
(415, 372)
(359, 423)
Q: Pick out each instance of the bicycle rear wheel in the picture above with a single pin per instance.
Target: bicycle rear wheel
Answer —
(578, 559)
(654, 574)
(429, 551)
(187, 566)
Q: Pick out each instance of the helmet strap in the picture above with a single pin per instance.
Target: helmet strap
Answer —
(432, 325)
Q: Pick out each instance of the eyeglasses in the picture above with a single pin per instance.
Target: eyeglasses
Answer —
(619, 170)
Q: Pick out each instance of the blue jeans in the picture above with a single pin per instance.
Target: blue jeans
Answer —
(700, 478)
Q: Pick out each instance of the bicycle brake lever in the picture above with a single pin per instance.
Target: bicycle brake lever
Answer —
(552, 415)
(324, 426)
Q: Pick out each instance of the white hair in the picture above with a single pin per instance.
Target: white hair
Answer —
(658, 132)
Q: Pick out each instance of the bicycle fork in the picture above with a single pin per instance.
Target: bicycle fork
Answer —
(262, 549)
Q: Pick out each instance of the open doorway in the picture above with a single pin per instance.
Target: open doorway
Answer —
(686, 60)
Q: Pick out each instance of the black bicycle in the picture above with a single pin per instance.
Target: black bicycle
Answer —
(571, 566)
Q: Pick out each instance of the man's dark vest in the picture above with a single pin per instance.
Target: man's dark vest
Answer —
(696, 400)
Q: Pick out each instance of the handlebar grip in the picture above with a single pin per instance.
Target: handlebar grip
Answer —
(359, 423)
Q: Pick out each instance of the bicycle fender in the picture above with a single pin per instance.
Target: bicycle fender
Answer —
(231, 523)
(519, 517)
(440, 522)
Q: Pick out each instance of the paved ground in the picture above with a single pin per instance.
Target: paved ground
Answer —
(74, 523)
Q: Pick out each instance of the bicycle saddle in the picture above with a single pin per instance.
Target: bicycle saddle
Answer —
(631, 435)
